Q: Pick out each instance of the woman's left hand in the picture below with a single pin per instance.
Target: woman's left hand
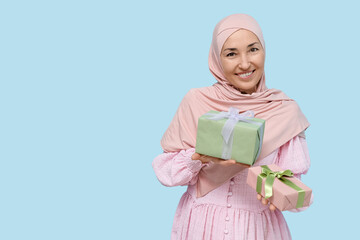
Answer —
(207, 159)
(265, 202)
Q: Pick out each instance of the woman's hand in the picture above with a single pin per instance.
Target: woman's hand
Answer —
(207, 159)
(265, 202)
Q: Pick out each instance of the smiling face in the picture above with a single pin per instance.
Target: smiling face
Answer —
(242, 58)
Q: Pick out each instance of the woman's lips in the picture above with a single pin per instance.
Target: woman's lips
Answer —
(245, 75)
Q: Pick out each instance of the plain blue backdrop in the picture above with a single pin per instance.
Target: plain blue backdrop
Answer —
(89, 87)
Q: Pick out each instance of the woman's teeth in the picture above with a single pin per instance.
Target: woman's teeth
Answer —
(244, 75)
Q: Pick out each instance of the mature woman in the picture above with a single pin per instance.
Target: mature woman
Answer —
(218, 204)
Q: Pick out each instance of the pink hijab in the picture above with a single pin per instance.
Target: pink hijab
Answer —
(283, 117)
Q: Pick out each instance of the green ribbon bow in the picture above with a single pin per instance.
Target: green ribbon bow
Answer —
(270, 178)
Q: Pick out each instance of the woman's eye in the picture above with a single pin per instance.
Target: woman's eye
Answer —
(231, 54)
(254, 49)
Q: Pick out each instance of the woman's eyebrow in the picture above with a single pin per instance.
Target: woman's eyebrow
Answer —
(252, 44)
(230, 49)
(234, 49)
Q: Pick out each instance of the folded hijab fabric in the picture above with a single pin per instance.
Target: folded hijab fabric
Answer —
(283, 117)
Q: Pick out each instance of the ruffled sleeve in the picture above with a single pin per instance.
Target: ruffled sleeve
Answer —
(177, 168)
(294, 155)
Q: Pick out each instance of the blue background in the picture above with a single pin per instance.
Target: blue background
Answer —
(89, 87)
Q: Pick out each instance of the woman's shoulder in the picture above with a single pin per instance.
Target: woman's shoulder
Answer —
(201, 90)
(205, 91)
(194, 96)
(277, 93)
(197, 93)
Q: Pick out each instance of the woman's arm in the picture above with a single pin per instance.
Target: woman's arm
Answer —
(294, 155)
(177, 168)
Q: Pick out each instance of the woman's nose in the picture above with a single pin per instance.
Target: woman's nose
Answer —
(244, 62)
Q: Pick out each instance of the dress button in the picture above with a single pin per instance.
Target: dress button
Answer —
(232, 182)
(226, 231)
(229, 205)
(229, 193)
(227, 218)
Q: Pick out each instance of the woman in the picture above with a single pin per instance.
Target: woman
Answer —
(218, 204)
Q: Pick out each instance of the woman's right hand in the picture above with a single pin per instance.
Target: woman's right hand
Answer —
(207, 159)
(265, 202)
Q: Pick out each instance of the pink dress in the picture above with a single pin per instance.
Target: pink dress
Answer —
(232, 210)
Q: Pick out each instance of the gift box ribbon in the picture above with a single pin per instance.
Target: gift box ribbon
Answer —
(233, 117)
(270, 176)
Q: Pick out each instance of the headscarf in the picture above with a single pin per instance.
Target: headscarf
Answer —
(283, 117)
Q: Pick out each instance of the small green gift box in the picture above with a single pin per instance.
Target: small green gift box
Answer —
(230, 135)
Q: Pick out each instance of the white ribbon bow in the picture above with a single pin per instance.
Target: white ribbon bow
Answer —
(233, 117)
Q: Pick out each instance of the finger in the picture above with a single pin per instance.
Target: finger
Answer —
(206, 159)
(272, 207)
(226, 162)
(195, 156)
(210, 158)
(259, 197)
(265, 201)
(243, 165)
(231, 161)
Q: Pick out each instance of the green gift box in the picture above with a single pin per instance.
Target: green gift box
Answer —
(230, 135)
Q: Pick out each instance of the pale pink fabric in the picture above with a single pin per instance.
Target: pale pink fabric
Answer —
(232, 210)
(272, 105)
